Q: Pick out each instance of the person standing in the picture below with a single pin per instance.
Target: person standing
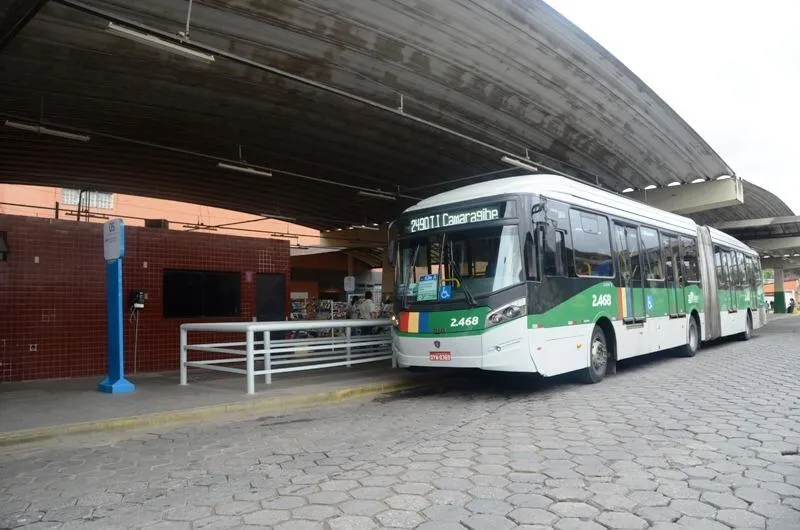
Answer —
(368, 311)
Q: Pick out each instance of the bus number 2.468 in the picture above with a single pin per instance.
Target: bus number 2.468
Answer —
(463, 321)
(601, 300)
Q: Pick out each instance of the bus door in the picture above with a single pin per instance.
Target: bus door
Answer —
(729, 262)
(632, 295)
(674, 283)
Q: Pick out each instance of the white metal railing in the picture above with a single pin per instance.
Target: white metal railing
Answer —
(286, 355)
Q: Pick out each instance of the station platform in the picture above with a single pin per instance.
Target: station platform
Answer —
(38, 410)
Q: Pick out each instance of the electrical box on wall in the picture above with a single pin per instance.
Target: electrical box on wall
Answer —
(137, 299)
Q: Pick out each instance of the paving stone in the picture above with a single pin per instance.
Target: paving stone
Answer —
(67, 513)
(529, 500)
(217, 522)
(488, 522)
(614, 503)
(365, 508)
(574, 509)
(693, 523)
(577, 524)
(400, 519)
(740, 519)
(484, 506)
(315, 512)
(413, 503)
(532, 516)
(775, 511)
(757, 495)
(351, 522)
(447, 513)
(622, 521)
(693, 508)
(267, 517)
(569, 494)
(723, 500)
(15, 520)
(236, 508)
(300, 525)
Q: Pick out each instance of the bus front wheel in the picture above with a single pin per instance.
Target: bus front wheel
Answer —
(598, 357)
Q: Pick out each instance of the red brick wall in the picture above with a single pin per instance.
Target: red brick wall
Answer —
(58, 304)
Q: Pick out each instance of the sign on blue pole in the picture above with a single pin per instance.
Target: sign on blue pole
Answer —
(113, 251)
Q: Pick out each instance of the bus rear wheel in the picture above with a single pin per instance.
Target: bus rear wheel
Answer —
(692, 339)
(748, 328)
(598, 357)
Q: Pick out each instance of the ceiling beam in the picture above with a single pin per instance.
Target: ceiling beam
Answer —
(785, 264)
(693, 198)
(17, 17)
(775, 243)
(757, 223)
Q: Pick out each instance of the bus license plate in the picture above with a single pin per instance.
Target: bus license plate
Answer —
(440, 356)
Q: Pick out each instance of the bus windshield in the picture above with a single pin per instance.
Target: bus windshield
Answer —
(458, 265)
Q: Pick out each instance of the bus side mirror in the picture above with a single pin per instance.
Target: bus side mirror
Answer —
(391, 250)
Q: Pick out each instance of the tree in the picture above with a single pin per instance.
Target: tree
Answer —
(769, 274)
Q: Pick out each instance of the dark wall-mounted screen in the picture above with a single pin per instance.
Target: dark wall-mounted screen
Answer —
(200, 294)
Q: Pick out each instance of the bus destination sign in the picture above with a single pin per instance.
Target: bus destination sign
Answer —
(438, 220)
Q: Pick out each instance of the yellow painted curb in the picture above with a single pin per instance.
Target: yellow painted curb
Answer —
(268, 404)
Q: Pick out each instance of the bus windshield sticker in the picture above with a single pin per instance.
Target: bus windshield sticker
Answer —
(428, 288)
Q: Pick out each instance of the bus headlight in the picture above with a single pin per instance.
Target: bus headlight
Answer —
(515, 309)
(395, 321)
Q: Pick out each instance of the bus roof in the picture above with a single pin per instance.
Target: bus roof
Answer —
(563, 189)
(718, 236)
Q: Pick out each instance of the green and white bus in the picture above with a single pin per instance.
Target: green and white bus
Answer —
(544, 274)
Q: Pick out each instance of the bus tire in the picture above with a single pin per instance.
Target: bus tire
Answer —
(692, 339)
(748, 328)
(598, 357)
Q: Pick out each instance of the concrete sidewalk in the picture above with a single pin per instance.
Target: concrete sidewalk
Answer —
(46, 409)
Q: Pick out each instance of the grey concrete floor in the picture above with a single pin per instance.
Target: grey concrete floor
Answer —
(704, 443)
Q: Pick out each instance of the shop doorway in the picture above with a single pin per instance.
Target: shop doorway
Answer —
(270, 299)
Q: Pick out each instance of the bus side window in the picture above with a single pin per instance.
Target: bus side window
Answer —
(691, 272)
(532, 255)
(555, 254)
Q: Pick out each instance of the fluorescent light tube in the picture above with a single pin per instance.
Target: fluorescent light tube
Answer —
(377, 195)
(244, 169)
(156, 42)
(363, 227)
(278, 217)
(44, 130)
(518, 163)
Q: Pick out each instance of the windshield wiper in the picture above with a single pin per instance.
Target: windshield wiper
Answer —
(467, 293)
(411, 266)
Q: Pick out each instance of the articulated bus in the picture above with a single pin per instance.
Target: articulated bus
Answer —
(546, 275)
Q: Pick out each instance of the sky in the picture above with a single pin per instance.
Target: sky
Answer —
(729, 68)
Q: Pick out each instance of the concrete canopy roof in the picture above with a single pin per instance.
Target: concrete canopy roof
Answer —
(476, 83)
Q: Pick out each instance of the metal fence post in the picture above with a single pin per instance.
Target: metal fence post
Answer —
(184, 356)
(347, 334)
(267, 358)
(251, 378)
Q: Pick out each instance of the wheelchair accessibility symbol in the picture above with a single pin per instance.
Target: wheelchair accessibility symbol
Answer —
(650, 303)
(445, 292)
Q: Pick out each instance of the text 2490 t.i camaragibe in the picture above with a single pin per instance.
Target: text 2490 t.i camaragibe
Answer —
(545, 274)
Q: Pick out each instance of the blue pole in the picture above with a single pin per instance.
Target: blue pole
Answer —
(115, 382)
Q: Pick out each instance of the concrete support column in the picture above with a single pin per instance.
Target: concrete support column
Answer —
(387, 280)
(780, 296)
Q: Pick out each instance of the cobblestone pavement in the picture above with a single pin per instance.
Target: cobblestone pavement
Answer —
(703, 443)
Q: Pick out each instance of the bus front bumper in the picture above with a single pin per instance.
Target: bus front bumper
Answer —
(502, 348)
